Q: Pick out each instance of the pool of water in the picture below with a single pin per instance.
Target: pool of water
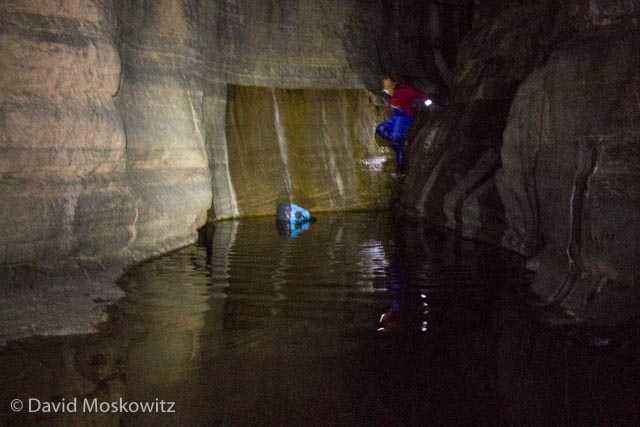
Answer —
(355, 321)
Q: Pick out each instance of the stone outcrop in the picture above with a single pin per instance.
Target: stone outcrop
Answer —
(537, 150)
(113, 120)
(570, 163)
(308, 146)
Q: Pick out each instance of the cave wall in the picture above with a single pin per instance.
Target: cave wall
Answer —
(454, 151)
(314, 147)
(160, 98)
(62, 169)
(113, 142)
(569, 175)
(295, 45)
(537, 148)
(113, 113)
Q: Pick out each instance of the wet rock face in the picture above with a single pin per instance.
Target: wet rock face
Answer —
(570, 162)
(113, 113)
(255, 49)
(113, 120)
(160, 98)
(88, 167)
(537, 148)
(308, 146)
(62, 180)
(454, 151)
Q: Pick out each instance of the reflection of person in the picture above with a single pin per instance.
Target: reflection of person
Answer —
(397, 318)
(396, 128)
(394, 318)
(406, 312)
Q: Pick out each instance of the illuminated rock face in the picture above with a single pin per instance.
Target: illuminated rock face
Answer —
(160, 99)
(114, 144)
(308, 146)
(113, 118)
(62, 169)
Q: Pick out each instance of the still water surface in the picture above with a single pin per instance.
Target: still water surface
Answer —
(355, 321)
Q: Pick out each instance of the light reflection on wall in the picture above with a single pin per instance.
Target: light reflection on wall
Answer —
(375, 164)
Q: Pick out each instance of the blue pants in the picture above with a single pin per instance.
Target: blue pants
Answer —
(395, 130)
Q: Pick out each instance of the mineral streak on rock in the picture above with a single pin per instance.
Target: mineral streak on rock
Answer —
(329, 142)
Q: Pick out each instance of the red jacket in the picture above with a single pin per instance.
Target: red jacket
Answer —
(404, 96)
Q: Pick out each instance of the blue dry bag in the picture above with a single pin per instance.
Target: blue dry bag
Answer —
(292, 213)
(292, 219)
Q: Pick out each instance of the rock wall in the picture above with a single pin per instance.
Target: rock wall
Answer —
(160, 98)
(62, 169)
(570, 166)
(537, 149)
(411, 41)
(113, 113)
(308, 146)
(454, 151)
(113, 139)
(288, 45)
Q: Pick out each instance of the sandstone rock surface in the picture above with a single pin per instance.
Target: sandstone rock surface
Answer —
(113, 123)
(569, 176)
(312, 147)
(538, 149)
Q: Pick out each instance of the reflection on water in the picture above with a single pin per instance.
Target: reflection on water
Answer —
(285, 228)
(353, 322)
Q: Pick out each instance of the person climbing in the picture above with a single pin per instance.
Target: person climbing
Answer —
(396, 128)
